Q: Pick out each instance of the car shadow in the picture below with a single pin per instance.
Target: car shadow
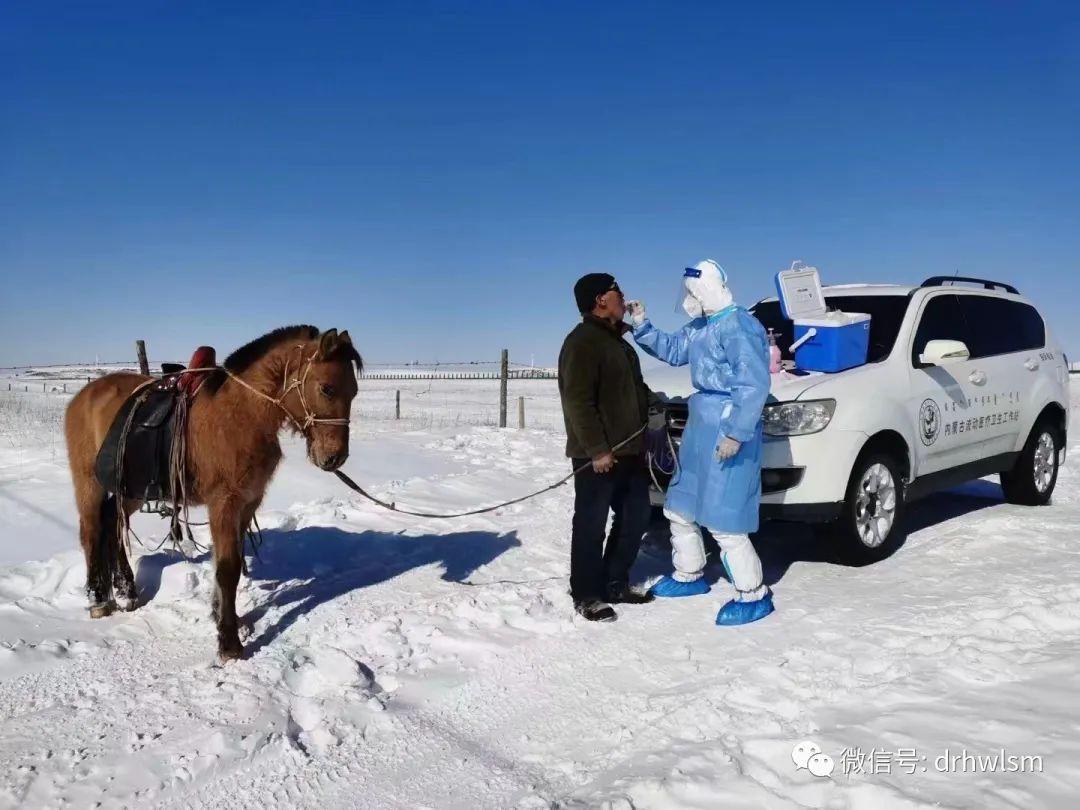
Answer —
(780, 545)
(952, 503)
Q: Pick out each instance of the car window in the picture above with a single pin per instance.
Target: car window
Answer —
(999, 326)
(941, 319)
(886, 314)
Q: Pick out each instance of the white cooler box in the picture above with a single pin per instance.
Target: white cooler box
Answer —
(824, 341)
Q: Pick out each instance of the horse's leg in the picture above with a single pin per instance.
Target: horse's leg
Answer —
(97, 519)
(246, 623)
(225, 527)
(123, 579)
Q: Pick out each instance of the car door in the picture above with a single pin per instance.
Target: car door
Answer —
(941, 397)
(1006, 339)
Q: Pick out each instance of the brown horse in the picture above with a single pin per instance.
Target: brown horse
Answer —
(293, 377)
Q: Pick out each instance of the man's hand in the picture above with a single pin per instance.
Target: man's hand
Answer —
(726, 449)
(604, 463)
(635, 311)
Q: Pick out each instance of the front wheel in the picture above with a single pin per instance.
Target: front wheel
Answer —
(1032, 479)
(868, 528)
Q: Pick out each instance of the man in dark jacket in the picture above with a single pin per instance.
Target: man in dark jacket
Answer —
(605, 402)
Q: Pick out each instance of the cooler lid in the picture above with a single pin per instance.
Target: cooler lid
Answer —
(800, 293)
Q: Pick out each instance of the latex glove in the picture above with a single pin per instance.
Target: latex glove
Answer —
(726, 449)
(604, 463)
(635, 311)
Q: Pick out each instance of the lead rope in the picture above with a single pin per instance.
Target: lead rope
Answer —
(310, 419)
(393, 507)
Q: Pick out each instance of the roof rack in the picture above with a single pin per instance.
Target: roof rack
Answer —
(941, 281)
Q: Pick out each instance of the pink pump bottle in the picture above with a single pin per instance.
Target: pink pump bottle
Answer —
(774, 354)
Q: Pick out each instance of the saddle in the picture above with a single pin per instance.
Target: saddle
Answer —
(138, 458)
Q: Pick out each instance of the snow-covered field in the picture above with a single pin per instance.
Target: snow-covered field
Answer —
(396, 662)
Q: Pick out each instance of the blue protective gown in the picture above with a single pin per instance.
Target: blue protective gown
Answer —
(729, 366)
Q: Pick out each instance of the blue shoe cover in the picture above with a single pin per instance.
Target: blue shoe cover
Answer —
(670, 587)
(744, 612)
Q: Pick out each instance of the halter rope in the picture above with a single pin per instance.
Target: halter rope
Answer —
(287, 387)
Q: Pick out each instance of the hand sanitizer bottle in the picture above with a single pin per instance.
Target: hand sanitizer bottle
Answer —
(774, 354)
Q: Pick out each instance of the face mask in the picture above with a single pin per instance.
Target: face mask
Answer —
(692, 307)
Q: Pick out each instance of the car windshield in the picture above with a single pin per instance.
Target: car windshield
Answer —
(886, 313)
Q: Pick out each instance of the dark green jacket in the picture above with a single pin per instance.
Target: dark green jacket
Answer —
(604, 398)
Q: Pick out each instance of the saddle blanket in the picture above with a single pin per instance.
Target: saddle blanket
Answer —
(148, 415)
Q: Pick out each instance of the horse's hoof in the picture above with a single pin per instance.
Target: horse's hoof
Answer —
(102, 609)
(230, 652)
(128, 605)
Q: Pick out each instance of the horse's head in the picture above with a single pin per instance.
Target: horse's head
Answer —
(328, 385)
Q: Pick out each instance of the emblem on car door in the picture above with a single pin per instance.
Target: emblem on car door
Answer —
(929, 422)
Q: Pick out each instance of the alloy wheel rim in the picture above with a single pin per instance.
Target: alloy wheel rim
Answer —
(875, 505)
(1045, 453)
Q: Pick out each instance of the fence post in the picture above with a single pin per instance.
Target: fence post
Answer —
(140, 348)
(43, 389)
(504, 369)
(397, 404)
(64, 387)
(521, 413)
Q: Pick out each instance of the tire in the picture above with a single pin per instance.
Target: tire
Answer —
(1032, 479)
(856, 537)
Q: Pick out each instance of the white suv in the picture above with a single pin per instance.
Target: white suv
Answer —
(961, 382)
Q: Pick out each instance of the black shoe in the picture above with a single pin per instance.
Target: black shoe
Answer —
(625, 595)
(595, 611)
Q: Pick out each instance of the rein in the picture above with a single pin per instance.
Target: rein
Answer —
(287, 387)
(178, 512)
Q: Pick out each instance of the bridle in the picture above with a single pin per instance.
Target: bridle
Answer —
(287, 387)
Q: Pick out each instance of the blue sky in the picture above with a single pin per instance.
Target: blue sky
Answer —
(434, 176)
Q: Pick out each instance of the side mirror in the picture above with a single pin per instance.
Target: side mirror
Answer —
(943, 352)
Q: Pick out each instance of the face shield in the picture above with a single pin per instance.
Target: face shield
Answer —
(703, 290)
(685, 300)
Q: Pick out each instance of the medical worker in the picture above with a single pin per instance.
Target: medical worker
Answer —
(718, 480)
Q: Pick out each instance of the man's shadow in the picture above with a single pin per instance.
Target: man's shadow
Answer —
(304, 568)
(780, 544)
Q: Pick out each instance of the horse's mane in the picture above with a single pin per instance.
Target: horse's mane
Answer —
(250, 353)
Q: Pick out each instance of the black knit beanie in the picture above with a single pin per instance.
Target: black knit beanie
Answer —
(591, 287)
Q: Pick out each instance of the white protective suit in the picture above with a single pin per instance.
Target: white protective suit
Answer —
(718, 482)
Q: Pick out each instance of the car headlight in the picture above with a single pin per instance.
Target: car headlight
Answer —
(797, 418)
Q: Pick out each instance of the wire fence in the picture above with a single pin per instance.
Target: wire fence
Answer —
(413, 395)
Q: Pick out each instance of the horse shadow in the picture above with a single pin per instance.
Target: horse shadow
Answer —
(780, 545)
(304, 568)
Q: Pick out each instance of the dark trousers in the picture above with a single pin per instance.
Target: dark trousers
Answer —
(594, 567)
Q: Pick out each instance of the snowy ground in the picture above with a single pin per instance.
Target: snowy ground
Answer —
(410, 663)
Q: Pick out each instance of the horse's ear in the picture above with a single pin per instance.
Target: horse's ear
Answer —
(328, 341)
(346, 344)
